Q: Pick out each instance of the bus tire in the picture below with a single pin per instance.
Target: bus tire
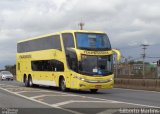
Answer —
(30, 83)
(62, 84)
(26, 82)
(93, 90)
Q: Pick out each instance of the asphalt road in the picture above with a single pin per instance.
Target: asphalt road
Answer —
(13, 95)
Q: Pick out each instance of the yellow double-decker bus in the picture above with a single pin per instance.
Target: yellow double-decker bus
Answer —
(73, 59)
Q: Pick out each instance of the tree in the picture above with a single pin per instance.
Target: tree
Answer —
(11, 68)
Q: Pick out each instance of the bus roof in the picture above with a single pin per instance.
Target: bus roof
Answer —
(56, 33)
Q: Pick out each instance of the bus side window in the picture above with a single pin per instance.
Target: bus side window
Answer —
(68, 40)
(47, 65)
(59, 66)
(18, 66)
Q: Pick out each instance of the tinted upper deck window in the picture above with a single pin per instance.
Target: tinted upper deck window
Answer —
(50, 42)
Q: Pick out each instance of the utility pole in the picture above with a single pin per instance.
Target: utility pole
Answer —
(81, 24)
(144, 47)
(129, 66)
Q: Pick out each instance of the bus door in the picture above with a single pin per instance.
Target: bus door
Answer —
(68, 43)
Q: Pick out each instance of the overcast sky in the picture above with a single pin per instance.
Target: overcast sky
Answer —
(128, 23)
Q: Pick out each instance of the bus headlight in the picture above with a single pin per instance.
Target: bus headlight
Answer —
(94, 81)
(80, 78)
(111, 79)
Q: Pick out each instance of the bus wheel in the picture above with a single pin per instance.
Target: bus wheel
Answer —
(26, 82)
(63, 85)
(93, 90)
(30, 83)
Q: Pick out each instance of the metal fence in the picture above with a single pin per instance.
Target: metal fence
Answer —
(145, 84)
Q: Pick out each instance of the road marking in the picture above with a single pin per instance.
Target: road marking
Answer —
(40, 99)
(18, 88)
(106, 101)
(34, 97)
(75, 112)
(62, 103)
(149, 106)
(45, 90)
(4, 85)
(32, 91)
(110, 111)
(80, 101)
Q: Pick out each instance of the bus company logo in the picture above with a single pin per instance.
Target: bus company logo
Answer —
(25, 56)
(96, 52)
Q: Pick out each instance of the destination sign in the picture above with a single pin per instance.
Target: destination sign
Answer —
(97, 52)
(24, 56)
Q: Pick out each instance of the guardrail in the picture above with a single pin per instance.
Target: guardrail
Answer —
(144, 84)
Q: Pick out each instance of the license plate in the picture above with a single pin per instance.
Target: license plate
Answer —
(98, 86)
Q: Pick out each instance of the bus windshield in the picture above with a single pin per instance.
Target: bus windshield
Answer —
(96, 65)
(92, 41)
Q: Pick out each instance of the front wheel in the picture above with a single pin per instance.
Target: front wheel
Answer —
(63, 85)
(93, 90)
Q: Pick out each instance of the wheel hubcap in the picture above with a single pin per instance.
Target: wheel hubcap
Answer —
(30, 82)
(63, 85)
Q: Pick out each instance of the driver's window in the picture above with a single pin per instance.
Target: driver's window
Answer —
(68, 40)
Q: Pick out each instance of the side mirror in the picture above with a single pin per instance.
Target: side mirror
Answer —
(118, 54)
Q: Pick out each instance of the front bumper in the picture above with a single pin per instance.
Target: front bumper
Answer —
(7, 78)
(82, 85)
